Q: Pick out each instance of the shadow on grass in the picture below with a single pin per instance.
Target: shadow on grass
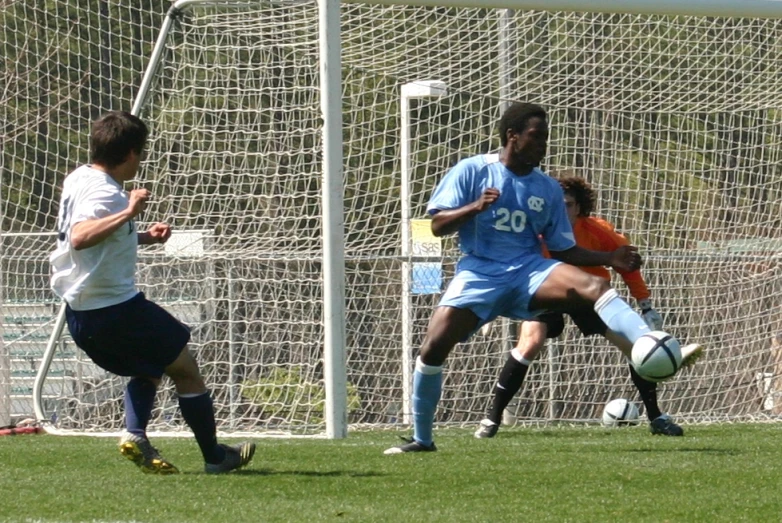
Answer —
(306, 473)
(318, 474)
(518, 432)
(703, 450)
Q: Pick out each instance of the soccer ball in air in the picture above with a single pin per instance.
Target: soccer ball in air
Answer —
(620, 412)
(657, 356)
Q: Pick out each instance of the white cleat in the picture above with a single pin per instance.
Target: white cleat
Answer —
(691, 353)
(486, 429)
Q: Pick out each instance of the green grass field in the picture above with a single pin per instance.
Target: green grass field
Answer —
(714, 473)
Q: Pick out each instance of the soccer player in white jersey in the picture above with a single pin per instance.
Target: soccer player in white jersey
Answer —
(93, 270)
(500, 204)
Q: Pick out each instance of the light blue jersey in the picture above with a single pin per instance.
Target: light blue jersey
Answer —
(528, 207)
(503, 265)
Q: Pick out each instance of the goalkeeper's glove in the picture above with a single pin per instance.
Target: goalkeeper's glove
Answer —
(650, 316)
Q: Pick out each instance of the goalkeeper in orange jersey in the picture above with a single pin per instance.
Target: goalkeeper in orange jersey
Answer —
(595, 234)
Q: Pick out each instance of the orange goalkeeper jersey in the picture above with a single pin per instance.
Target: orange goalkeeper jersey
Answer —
(598, 235)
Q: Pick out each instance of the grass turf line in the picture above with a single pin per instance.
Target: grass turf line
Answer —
(714, 473)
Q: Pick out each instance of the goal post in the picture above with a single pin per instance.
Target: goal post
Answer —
(5, 364)
(281, 129)
(333, 255)
(5, 361)
(420, 89)
(333, 220)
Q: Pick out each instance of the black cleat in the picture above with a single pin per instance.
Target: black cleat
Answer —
(410, 445)
(664, 425)
(236, 457)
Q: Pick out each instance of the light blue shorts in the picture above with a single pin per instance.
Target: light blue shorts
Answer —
(506, 294)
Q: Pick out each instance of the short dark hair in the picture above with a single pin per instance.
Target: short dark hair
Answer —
(516, 117)
(114, 135)
(581, 191)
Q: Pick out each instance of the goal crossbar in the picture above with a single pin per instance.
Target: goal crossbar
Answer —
(727, 8)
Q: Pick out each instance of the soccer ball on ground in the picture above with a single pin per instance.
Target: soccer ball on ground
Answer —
(620, 412)
(656, 356)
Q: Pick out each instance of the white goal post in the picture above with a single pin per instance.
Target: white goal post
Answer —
(5, 363)
(285, 131)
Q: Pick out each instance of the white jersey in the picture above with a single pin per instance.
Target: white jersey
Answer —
(104, 274)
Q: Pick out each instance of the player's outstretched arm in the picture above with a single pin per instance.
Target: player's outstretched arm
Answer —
(624, 258)
(89, 233)
(449, 221)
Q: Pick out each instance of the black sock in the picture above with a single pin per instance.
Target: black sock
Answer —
(198, 412)
(139, 398)
(648, 390)
(509, 383)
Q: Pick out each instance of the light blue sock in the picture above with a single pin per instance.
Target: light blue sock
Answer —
(427, 386)
(620, 317)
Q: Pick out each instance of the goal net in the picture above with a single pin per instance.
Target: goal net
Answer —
(675, 120)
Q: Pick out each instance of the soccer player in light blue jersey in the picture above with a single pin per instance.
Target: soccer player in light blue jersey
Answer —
(500, 205)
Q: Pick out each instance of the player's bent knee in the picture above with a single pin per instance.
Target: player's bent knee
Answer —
(435, 353)
(184, 368)
(448, 326)
(529, 350)
(154, 381)
(555, 324)
(592, 288)
(188, 383)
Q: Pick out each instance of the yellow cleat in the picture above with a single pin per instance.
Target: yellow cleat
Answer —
(141, 452)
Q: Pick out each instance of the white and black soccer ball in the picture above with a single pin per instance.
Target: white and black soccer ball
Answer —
(657, 356)
(620, 412)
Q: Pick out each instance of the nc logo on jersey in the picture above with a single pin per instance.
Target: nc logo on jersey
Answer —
(535, 203)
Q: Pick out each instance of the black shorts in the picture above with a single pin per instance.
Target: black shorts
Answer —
(132, 338)
(587, 321)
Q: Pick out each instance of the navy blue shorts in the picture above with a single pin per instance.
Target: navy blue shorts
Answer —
(133, 338)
